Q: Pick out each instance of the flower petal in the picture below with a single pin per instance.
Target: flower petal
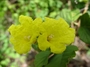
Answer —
(25, 20)
(42, 42)
(58, 48)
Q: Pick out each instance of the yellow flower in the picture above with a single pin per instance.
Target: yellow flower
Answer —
(57, 35)
(24, 34)
(53, 34)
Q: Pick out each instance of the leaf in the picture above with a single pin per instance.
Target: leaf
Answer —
(41, 13)
(61, 60)
(69, 15)
(84, 30)
(53, 14)
(42, 58)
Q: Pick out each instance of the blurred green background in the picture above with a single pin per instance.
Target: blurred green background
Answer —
(10, 10)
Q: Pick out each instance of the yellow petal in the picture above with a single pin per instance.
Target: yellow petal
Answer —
(42, 42)
(25, 20)
(22, 48)
(58, 48)
(68, 37)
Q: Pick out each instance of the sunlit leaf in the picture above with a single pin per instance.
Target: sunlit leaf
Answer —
(70, 16)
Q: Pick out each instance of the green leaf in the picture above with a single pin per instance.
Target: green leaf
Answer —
(69, 15)
(84, 30)
(42, 58)
(61, 60)
(53, 14)
(41, 13)
(83, 1)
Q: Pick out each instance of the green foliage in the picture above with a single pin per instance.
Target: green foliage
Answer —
(41, 58)
(58, 60)
(61, 60)
(70, 16)
(11, 9)
(6, 52)
(84, 30)
(78, 3)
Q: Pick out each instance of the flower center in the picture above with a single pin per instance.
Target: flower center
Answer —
(50, 37)
(27, 38)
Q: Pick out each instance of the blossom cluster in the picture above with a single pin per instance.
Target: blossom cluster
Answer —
(50, 33)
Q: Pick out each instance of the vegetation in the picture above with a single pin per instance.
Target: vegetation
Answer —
(75, 12)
